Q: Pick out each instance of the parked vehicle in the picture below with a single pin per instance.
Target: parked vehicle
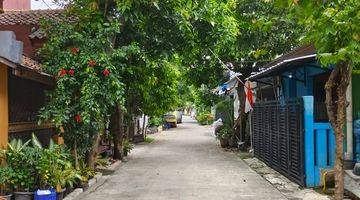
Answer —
(170, 120)
(178, 114)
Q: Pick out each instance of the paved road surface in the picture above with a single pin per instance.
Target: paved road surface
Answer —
(184, 164)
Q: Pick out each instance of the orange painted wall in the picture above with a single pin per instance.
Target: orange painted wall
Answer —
(4, 110)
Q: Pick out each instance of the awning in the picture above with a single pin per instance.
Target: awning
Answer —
(298, 55)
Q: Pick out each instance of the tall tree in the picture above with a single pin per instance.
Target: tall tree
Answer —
(334, 28)
(130, 41)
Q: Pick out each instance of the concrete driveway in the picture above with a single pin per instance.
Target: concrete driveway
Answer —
(184, 163)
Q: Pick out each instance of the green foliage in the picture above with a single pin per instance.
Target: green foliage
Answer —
(6, 174)
(127, 146)
(85, 172)
(225, 110)
(224, 132)
(23, 160)
(333, 26)
(205, 118)
(266, 32)
(149, 139)
(55, 167)
(87, 82)
(142, 45)
(205, 98)
(32, 167)
(155, 121)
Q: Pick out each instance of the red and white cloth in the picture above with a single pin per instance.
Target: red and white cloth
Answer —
(250, 98)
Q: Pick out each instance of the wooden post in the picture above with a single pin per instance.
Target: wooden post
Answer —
(4, 110)
(309, 140)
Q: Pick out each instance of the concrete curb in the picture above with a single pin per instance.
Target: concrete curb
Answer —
(92, 182)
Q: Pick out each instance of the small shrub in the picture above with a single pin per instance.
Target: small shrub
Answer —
(205, 118)
(149, 139)
(127, 147)
(155, 121)
(224, 132)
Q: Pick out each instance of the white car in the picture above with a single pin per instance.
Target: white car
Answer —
(178, 114)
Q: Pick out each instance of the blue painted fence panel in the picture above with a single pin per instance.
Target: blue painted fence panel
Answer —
(319, 145)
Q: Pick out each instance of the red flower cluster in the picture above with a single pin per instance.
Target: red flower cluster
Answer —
(62, 72)
(71, 72)
(106, 72)
(75, 50)
(92, 63)
(78, 118)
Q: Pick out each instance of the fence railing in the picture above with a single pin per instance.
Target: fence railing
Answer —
(278, 136)
(295, 138)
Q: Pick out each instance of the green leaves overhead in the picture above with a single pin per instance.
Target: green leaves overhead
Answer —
(334, 28)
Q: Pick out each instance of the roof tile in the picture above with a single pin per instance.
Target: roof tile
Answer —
(31, 17)
(31, 64)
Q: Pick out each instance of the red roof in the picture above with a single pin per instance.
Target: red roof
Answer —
(31, 64)
(31, 17)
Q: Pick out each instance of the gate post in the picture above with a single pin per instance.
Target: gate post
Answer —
(309, 148)
(4, 104)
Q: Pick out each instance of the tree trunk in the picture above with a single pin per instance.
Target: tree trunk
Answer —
(144, 128)
(117, 130)
(131, 132)
(240, 123)
(92, 154)
(336, 86)
(76, 157)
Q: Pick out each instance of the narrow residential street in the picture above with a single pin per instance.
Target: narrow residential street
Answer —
(183, 163)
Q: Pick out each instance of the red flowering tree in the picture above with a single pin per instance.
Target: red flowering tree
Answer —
(87, 83)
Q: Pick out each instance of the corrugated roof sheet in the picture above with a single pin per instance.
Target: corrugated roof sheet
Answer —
(300, 53)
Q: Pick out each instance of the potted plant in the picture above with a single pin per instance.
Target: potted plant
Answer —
(86, 173)
(223, 134)
(6, 174)
(127, 147)
(55, 168)
(64, 175)
(22, 160)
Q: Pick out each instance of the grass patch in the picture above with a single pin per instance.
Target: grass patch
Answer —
(149, 139)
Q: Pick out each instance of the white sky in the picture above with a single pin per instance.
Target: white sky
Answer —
(41, 4)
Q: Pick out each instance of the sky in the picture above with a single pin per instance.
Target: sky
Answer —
(42, 4)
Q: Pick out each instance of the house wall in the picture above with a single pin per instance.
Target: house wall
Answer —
(22, 33)
(16, 4)
(3, 106)
(356, 94)
(302, 79)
